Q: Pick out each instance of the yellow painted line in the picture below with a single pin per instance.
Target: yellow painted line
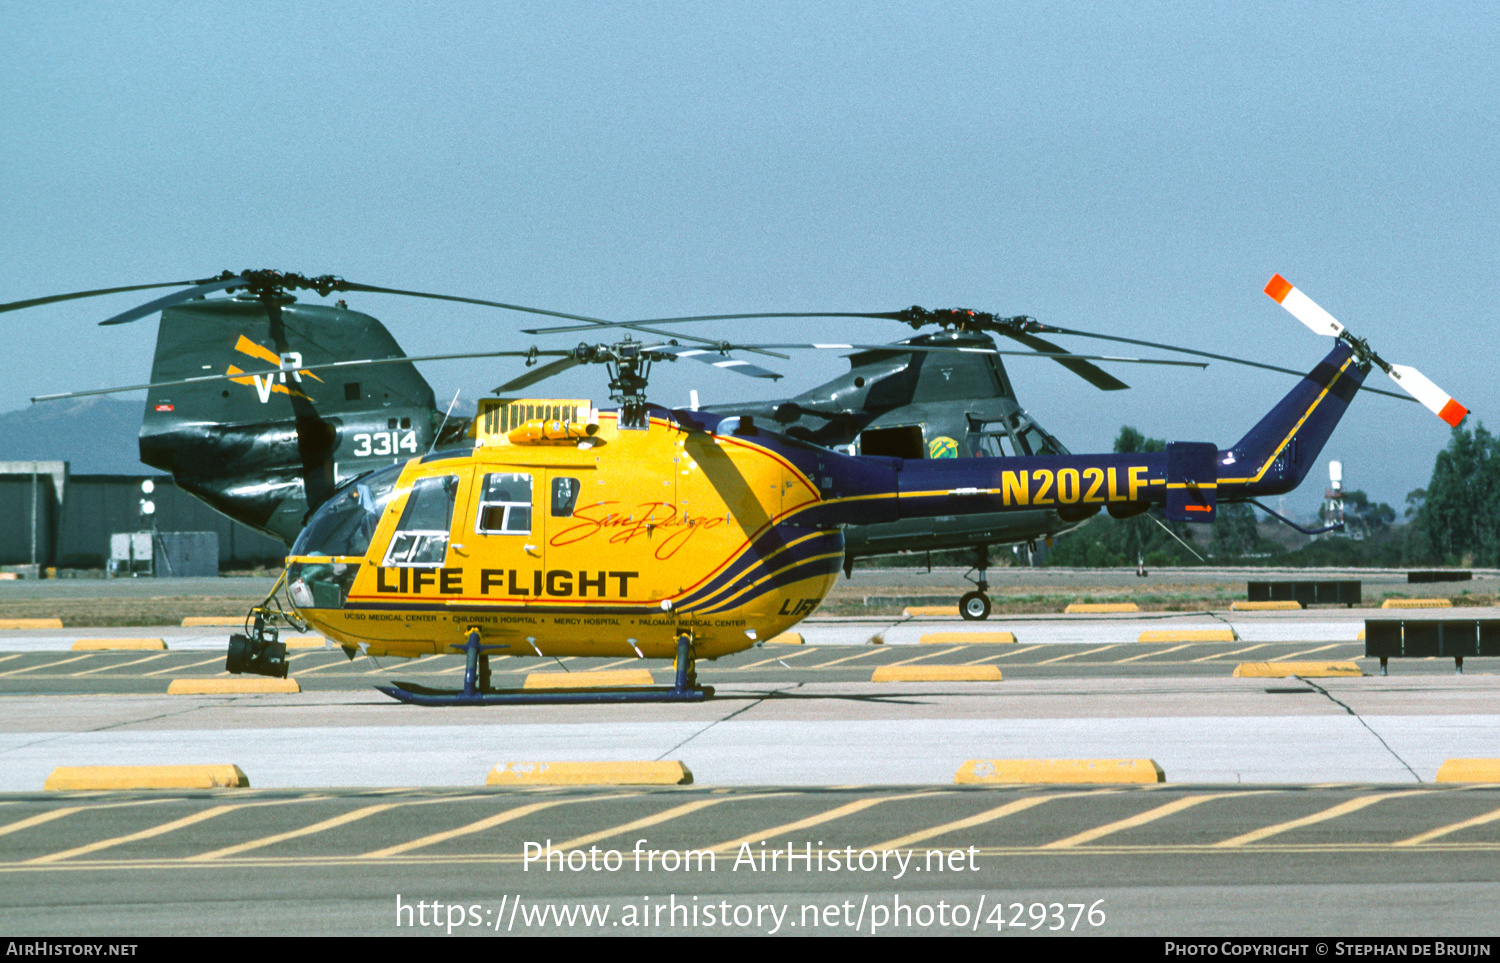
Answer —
(525, 668)
(1188, 635)
(190, 665)
(161, 830)
(786, 638)
(333, 823)
(775, 658)
(848, 658)
(630, 773)
(44, 665)
(31, 623)
(988, 816)
(645, 822)
(919, 611)
(1361, 636)
(1469, 770)
(1091, 608)
(1342, 809)
(618, 662)
(1002, 655)
(1225, 655)
(1421, 838)
(838, 812)
(480, 826)
(1152, 655)
(338, 663)
(969, 638)
(1416, 604)
(7, 658)
(119, 665)
(119, 645)
(1074, 655)
(232, 686)
(39, 818)
(1292, 655)
(588, 680)
(408, 664)
(1283, 606)
(936, 673)
(1149, 816)
(918, 658)
(1105, 771)
(73, 778)
(1306, 670)
(207, 621)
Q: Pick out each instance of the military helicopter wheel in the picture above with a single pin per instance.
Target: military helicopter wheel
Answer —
(975, 606)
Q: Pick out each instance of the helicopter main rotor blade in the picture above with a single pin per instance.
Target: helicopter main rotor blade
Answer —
(538, 374)
(1091, 373)
(277, 372)
(176, 297)
(899, 348)
(591, 324)
(713, 317)
(99, 292)
(720, 360)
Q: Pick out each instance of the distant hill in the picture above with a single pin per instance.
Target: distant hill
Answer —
(98, 436)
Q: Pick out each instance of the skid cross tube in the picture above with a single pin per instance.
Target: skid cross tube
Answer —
(474, 693)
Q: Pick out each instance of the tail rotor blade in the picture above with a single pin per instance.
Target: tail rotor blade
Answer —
(1410, 380)
(1433, 398)
(1302, 307)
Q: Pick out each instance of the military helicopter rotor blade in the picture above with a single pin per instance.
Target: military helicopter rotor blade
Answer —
(1089, 372)
(899, 348)
(250, 376)
(176, 297)
(1409, 379)
(559, 329)
(590, 324)
(98, 292)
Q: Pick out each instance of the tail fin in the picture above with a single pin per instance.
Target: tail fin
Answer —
(255, 446)
(1277, 453)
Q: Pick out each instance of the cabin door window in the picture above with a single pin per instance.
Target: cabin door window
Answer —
(505, 504)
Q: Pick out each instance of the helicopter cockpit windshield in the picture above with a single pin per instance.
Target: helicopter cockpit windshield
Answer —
(345, 525)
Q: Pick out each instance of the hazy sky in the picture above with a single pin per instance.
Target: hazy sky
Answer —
(1138, 169)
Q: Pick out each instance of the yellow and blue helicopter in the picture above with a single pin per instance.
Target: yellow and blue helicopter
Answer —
(660, 533)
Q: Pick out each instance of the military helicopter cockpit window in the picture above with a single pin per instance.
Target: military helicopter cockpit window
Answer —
(990, 439)
(564, 496)
(346, 523)
(505, 505)
(422, 534)
(1035, 441)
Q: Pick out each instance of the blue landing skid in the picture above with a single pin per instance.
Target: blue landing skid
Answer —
(473, 694)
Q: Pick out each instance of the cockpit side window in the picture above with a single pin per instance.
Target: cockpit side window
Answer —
(505, 505)
(990, 440)
(421, 536)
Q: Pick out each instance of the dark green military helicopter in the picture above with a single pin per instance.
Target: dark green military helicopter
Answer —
(263, 406)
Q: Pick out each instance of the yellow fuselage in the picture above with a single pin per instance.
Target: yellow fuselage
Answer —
(612, 547)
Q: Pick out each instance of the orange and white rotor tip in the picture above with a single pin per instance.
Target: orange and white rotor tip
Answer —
(1412, 381)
